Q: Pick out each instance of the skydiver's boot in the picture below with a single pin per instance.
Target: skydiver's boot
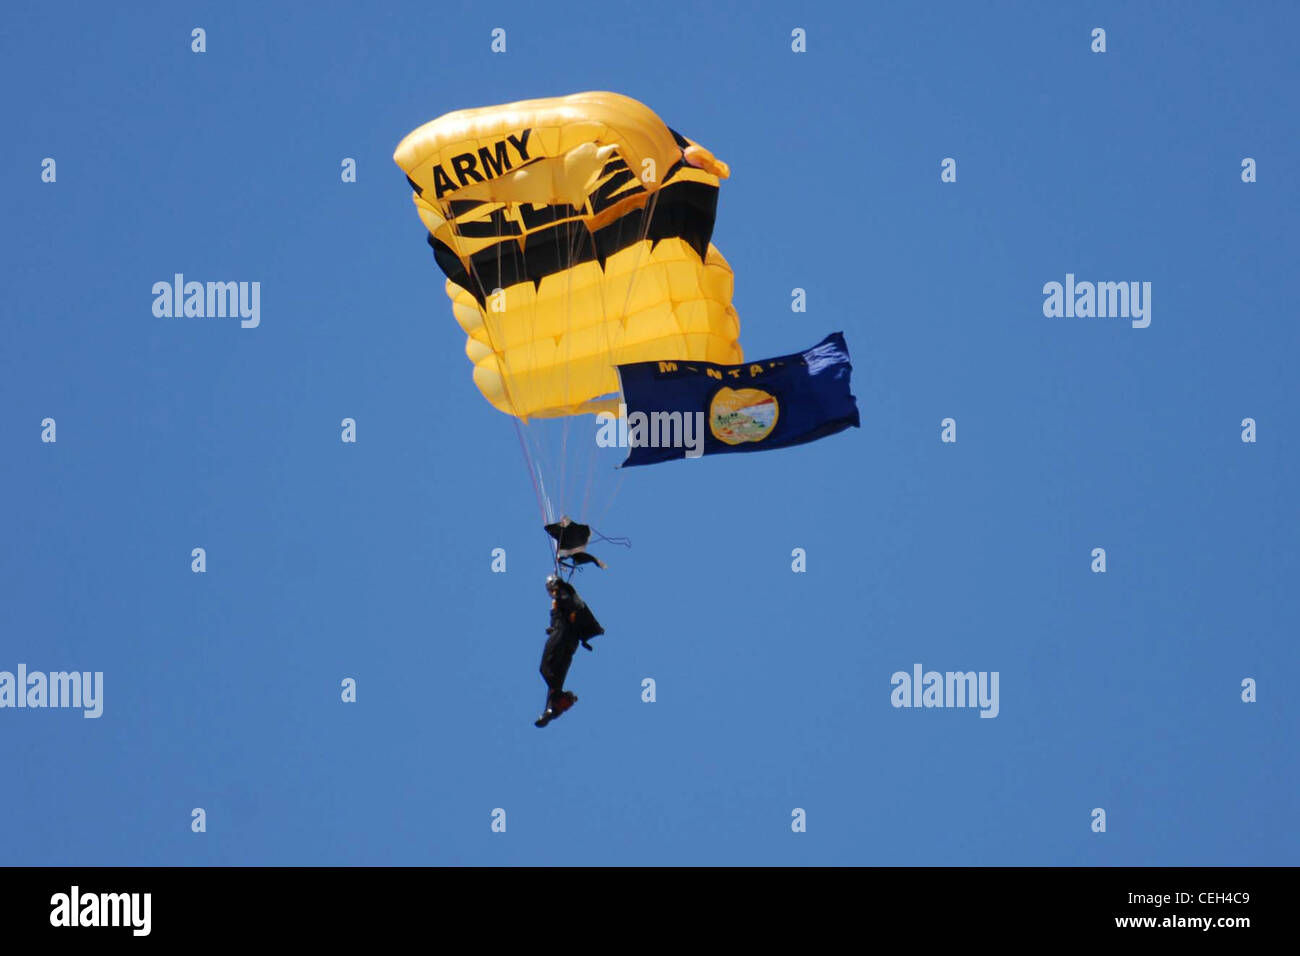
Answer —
(552, 710)
(557, 705)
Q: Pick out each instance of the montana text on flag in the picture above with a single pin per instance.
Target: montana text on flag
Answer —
(769, 403)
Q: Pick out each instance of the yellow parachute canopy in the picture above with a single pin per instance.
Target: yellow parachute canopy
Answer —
(575, 235)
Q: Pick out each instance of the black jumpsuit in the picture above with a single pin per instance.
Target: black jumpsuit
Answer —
(572, 623)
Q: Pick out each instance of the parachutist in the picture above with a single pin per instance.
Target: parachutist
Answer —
(572, 623)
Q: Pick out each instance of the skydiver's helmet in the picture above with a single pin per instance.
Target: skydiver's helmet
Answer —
(552, 583)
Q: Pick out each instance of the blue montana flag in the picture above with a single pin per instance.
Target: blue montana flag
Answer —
(689, 409)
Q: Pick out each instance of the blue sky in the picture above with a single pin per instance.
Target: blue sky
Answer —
(372, 560)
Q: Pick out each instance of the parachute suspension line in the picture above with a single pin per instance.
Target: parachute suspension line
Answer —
(581, 235)
(646, 219)
(577, 238)
(573, 234)
(618, 486)
(606, 331)
(541, 431)
(591, 474)
(540, 464)
(539, 490)
(533, 436)
(590, 470)
(530, 463)
(578, 423)
(621, 542)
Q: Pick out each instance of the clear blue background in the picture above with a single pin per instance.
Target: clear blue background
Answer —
(372, 560)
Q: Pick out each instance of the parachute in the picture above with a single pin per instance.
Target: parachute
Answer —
(576, 236)
(575, 233)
